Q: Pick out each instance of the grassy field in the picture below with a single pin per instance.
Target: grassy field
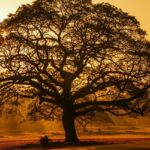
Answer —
(109, 140)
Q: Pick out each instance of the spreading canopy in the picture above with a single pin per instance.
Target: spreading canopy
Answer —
(74, 54)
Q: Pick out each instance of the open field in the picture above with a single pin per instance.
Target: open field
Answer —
(126, 141)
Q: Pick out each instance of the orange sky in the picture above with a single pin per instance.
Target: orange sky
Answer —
(138, 8)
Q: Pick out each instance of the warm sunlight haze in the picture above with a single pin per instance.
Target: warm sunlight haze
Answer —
(75, 74)
(138, 8)
(10, 6)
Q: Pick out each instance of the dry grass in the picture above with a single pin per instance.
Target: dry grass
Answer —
(113, 142)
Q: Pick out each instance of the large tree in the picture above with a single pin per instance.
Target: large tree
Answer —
(76, 56)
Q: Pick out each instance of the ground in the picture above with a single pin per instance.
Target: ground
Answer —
(120, 140)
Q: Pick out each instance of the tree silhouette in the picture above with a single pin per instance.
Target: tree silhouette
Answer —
(88, 119)
(76, 56)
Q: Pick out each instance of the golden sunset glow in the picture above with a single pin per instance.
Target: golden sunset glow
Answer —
(10, 6)
(138, 8)
(75, 74)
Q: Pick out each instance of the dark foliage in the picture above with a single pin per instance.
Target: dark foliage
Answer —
(76, 56)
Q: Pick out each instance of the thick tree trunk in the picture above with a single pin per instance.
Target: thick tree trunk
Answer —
(69, 127)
